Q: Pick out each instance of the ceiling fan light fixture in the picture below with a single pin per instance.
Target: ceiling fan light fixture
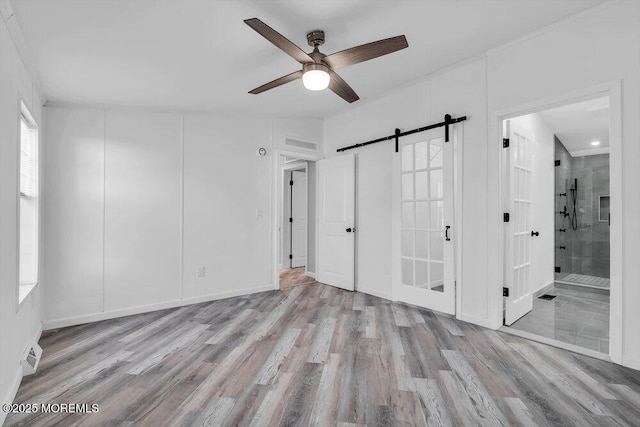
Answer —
(316, 76)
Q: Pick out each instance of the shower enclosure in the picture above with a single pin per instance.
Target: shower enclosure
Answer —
(581, 218)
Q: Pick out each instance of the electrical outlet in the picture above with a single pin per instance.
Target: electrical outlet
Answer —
(258, 213)
(387, 270)
(201, 271)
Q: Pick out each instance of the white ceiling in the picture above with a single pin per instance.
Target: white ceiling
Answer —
(577, 125)
(197, 55)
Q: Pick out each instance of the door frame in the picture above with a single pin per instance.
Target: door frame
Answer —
(298, 165)
(277, 201)
(613, 90)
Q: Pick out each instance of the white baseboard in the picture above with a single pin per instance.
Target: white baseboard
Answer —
(631, 362)
(17, 379)
(311, 274)
(373, 292)
(543, 289)
(95, 317)
(487, 323)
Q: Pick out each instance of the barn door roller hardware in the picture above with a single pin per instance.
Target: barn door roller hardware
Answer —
(448, 120)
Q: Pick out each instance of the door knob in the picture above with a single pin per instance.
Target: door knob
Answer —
(535, 233)
(348, 230)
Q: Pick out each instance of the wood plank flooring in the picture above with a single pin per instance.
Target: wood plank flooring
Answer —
(317, 355)
(290, 277)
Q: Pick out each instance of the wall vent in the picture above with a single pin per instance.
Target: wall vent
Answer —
(31, 359)
(304, 145)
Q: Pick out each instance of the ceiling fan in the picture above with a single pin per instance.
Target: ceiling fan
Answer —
(317, 71)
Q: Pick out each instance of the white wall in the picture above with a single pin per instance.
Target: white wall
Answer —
(590, 49)
(542, 198)
(74, 212)
(19, 325)
(137, 202)
(226, 182)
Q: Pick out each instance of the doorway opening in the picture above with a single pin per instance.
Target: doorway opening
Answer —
(557, 214)
(297, 222)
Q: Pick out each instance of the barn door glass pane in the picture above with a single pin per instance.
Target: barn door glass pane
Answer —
(422, 227)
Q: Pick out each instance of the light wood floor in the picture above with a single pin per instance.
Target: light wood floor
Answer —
(317, 355)
(290, 277)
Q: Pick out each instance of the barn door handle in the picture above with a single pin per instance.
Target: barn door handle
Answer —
(446, 232)
(535, 233)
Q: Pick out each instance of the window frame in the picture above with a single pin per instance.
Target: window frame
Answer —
(24, 114)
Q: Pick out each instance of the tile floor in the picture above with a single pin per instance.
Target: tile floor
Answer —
(577, 315)
(592, 281)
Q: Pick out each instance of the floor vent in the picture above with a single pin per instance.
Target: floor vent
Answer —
(31, 359)
(547, 297)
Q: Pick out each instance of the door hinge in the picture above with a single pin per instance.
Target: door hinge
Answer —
(290, 256)
(557, 163)
(505, 217)
(505, 292)
(505, 142)
(558, 270)
(290, 182)
(290, 219)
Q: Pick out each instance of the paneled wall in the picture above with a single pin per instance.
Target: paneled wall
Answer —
(138, 203)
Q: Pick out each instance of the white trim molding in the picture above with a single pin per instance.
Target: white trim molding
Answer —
(612, 89)
(112, 314)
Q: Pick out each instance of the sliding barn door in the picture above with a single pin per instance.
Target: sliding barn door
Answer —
(423, 222)
(336, 221)
(517, 178)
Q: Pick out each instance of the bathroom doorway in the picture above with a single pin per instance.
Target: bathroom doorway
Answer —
(557, 245)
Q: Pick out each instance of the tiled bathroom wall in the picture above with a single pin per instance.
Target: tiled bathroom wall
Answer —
(586, 249)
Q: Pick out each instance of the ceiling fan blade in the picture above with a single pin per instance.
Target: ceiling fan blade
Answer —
(278, 82)
(279, 40)
(341, 88)
(365, 52)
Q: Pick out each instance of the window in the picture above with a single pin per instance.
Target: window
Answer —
(29, 202)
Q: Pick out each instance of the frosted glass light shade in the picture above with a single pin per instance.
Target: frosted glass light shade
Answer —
(316, 79)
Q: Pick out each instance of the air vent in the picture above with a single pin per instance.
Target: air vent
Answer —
(31, 359)
(304, 145)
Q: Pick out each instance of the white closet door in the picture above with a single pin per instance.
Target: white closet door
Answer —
(423, 222)
(336, 215)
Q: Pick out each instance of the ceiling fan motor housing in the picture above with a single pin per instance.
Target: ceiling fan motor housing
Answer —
(315, 66)
(315, 38)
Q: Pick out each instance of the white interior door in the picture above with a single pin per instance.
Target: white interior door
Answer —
(285, 235)
(299, 219)
(518, 170)
(423, 222)
(336, 221)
